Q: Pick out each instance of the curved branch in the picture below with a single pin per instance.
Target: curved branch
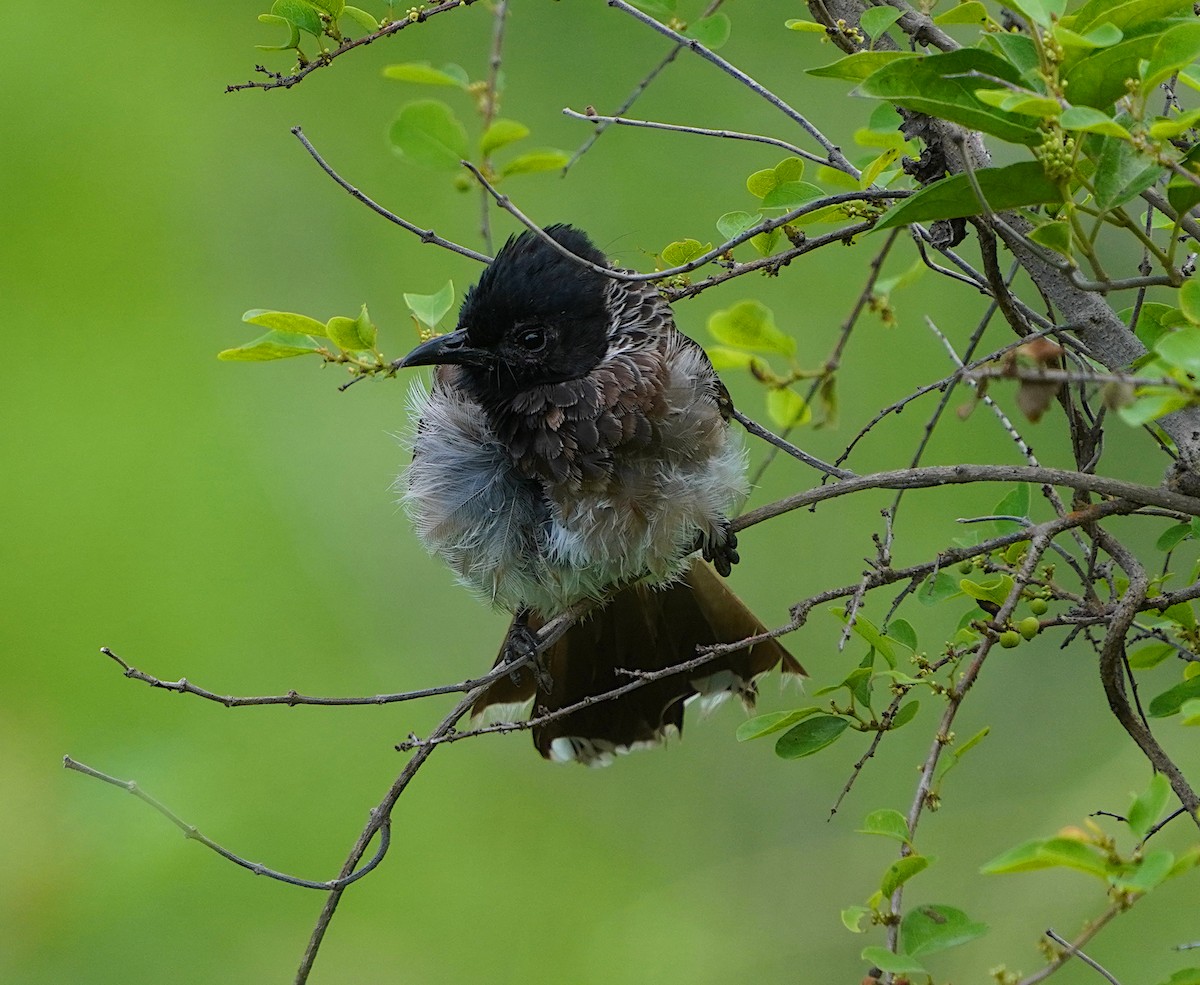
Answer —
(949, 475)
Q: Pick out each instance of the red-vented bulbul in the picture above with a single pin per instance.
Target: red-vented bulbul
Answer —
(575, 445)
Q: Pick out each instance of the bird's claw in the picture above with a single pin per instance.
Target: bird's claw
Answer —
(719, 547)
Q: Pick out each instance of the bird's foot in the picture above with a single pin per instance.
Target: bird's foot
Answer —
(520, 649)
(718, 545)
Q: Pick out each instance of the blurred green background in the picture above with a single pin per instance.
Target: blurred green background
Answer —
(235, 524)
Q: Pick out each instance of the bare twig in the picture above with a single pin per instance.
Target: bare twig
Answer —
(293, 698)
(191, 832)
(425, 235)
(835, 159)
(698, 131)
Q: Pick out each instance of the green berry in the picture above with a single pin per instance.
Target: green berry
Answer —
(966, 567)
(1038, 607)
(1029, 627)
(1010, 638)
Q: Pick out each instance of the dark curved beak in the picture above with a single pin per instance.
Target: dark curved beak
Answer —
(452, 348)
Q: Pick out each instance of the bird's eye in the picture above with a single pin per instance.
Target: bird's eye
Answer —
(532, 339)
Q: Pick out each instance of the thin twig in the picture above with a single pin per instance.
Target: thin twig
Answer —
(836, 158)
(191, 832)
(771, 438)
(425, 235)
(625, 121)
(633, 97)
(293, 698)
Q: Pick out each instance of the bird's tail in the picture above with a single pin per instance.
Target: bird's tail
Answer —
(640, 630)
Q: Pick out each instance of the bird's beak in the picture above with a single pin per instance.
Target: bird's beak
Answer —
(452, 348)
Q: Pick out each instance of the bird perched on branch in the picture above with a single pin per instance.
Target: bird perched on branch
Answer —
(574, 445)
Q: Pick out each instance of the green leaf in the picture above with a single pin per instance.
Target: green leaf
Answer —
(1019, 50)
(500, 134)
(430, 309)
(901, 630)
(888, 823)
(1103, 36)
(361, 18)
(786, 408)
(971, 12)
(352, 334)
(302, 14)
(1152, 321)
(427, 133)
(1150, 404)
(934, 927)
(1054, 236)
(1189, 301)
(900, 871)
(1181, 347)
(944, 85)
(905, 715)
(1183, 195)
(867, 630)
(293, 37)
(1147, 807)
(937, 588)
(535, 161)
(284, 321)
(273, 345)
(1175, 49)
(422, 73)
(996, 589)
(1153, 869)
(683, 251)
(723, 357)
(1127, 16)
(876, 20)
(774, 721)
(1146, 657)
(712, 31)
(1085, 119)
(767, 242)
(733, 224)
(1099, 78)
(809, 27)
(1049, 853)
(750, 325)
(1003, 188)
(1173, 536)
(791, 194)
(332, 7)
(810, 736)
(1181, 612)
(1170, 127)
(1121, 172)
(1189, 713)
(853, 916)
(858, 66)
(1185, 976)
(897, 964)
(1170, 701)
(1016, 502)
(1022, 103)
(1041, 12)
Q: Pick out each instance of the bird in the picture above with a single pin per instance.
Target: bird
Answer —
(574, 446)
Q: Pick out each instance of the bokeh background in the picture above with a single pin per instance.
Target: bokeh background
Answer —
(235, 524)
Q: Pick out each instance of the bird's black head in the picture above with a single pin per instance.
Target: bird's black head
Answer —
(535, 317)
